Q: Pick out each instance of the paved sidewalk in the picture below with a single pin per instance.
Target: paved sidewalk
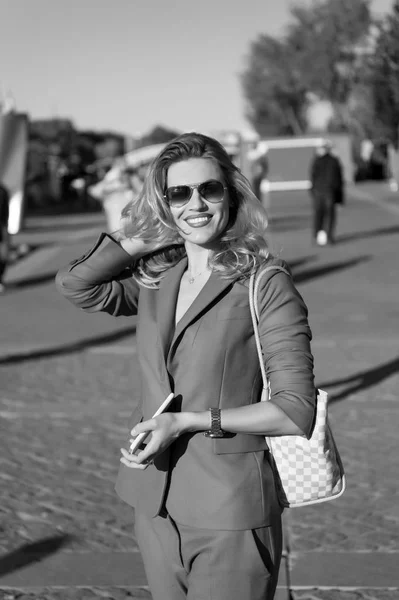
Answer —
(45, 323)
(68, 384)
(378, 192)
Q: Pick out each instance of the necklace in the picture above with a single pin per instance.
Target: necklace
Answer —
(192, 278)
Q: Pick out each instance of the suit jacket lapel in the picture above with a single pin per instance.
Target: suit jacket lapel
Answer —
(167, 299)
(209, 293)
(166, 304)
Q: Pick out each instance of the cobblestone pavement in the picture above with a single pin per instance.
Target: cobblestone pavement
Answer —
(347, 595)
(65, 422)
(63, 413)
(119, 593)
(114, 593)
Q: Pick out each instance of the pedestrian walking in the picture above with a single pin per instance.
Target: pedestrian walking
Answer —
(327, 190)
(259, 169)
(115, 190)
(4, 236)
(207, 517)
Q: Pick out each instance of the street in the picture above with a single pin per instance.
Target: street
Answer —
(69, 381)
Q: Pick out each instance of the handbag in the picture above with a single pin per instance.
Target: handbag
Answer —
(306, 471)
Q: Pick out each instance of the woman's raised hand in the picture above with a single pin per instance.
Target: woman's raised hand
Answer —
(137, 247)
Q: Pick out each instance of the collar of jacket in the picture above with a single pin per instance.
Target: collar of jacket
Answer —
(167, 300)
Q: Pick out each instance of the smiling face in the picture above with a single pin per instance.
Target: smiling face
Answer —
(200, 222)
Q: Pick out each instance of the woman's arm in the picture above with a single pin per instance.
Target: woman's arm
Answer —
(101, 280)
(285, 339)
(263, 418)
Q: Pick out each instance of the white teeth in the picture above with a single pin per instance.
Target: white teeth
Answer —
(198, 220)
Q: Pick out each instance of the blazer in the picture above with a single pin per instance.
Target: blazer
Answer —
(326, 175)
(208, 359)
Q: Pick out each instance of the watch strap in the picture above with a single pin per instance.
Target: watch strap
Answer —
(216, 430)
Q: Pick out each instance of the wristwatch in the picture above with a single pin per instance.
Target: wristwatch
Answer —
(216, 430)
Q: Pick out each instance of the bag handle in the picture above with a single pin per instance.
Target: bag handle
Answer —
(254, 283)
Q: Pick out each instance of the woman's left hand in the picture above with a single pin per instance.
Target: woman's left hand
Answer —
(164, 430)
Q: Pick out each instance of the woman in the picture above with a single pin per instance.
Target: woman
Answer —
(207, 519)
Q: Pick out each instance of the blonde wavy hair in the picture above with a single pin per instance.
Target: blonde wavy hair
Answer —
(243, 245)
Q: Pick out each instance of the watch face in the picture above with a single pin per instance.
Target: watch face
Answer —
(218, 434)
(214, 434)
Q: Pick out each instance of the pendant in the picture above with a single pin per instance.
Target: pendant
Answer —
(192, 278)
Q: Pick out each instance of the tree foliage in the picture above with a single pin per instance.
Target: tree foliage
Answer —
(318, 54)
(384, 76)
(327, 38)
(274, 88)
(158, 135)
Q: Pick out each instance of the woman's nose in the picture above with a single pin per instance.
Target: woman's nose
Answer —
(197, 202)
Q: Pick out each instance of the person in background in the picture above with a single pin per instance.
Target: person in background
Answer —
(259, 169)
(4, 236)
(207, 517)
(119, 186)
(327, 190)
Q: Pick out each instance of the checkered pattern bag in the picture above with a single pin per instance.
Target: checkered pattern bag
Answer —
(306, 471)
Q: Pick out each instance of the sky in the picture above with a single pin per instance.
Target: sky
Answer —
(128, 65)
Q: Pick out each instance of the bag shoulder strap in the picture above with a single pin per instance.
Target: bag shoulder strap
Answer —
(254, 283)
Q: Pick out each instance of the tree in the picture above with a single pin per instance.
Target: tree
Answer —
(320, 53)
(329, 38)
(158, 135)
(384, 77)
(273, 88)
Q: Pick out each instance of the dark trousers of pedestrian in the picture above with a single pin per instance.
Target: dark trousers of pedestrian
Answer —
(324, 213)
(4, 249)
(187, 563)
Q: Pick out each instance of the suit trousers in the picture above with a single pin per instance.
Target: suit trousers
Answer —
(187, 563)
(324, 213)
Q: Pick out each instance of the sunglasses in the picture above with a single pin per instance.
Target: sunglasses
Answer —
(211, 191)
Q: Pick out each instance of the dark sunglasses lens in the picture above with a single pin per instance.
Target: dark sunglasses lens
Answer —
(179, 195)
(212, 191)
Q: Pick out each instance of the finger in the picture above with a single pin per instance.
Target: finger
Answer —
(138, 459)
(145, 455)
(134, 460)
(132, 465)
(129, 456)
(143, 426)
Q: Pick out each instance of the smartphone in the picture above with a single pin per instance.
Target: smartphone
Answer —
(142, 436)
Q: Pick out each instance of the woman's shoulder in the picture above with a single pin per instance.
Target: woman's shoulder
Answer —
(275, 286)
(271, 266)
(265, 270)
(274, 281)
